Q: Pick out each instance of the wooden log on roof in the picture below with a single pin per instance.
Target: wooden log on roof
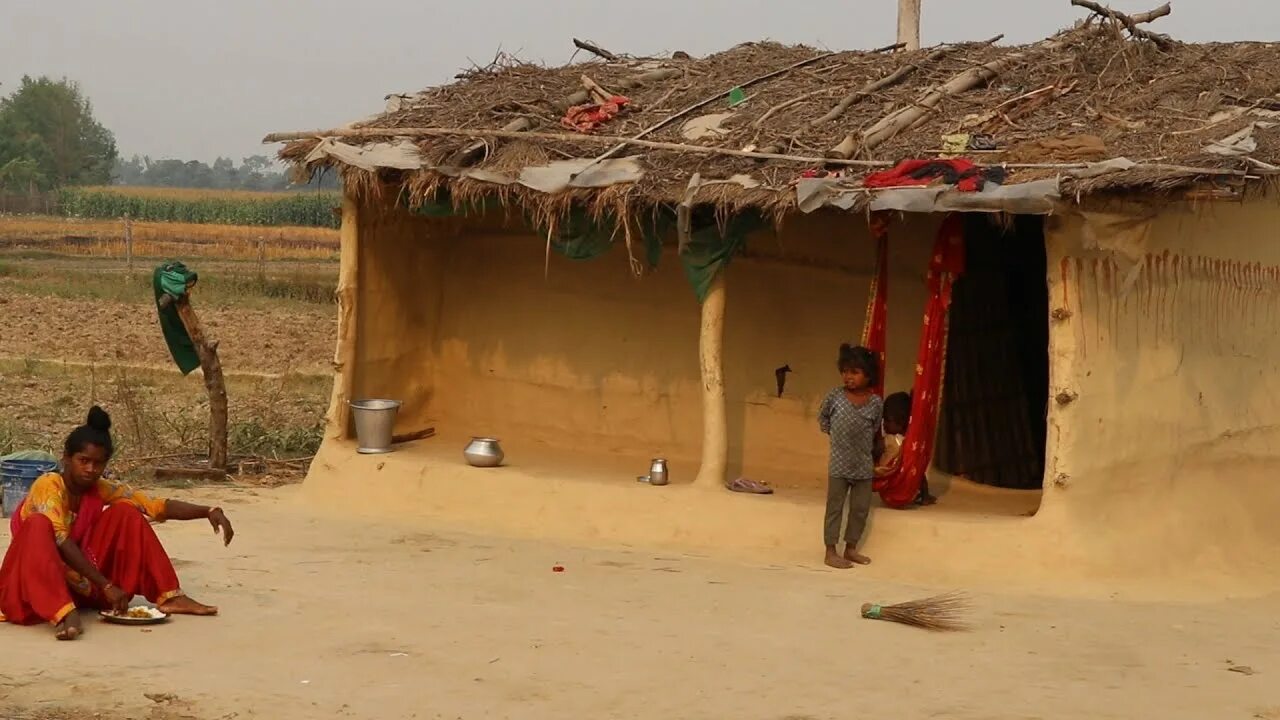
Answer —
(595, 50)
(1130, 22)
(870, 89)
(372, 133)
(906, 117)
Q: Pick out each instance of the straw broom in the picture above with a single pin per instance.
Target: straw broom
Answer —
(940, 613)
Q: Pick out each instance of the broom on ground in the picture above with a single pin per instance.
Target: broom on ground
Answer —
(940, 613)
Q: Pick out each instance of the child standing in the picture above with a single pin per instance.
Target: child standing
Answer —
(851, 416)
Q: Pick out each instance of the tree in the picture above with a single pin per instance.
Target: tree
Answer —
(50, 123)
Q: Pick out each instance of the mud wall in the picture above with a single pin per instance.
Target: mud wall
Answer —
(1163, 449)
(479, 332)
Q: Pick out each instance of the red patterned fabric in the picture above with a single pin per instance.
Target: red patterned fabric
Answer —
(899, 489)
(586, 118)
(874, 331)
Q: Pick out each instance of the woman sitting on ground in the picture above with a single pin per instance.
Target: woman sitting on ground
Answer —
(82, 541)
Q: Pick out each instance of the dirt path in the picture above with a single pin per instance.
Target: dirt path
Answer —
(325, 618)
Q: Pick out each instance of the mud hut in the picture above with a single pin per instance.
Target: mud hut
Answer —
(608, 261)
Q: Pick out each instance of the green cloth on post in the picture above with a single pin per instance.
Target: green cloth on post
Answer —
(172, 278)
(711, 247)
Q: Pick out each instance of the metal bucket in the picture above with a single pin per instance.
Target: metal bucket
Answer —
(374, 422)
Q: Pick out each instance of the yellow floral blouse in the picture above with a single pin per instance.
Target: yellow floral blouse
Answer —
(49, 497)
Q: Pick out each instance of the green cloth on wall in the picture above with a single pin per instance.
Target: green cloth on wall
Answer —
(172, 278)
(578, 236)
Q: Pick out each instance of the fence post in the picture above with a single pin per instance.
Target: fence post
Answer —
(262, 261)
(128, 244)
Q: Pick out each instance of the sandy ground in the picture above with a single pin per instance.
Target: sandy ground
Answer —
(324, 617)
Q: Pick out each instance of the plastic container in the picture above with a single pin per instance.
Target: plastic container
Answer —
(16, 478)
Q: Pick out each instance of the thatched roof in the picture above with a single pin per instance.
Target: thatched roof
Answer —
(1053, 110)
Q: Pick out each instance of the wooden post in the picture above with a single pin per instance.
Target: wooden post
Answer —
(339, 417)
(214, 383)
(262, 261)
(715, 431)
(909, 24)
(128, 244)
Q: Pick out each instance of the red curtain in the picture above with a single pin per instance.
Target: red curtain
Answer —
(873, 332)
(945, 264)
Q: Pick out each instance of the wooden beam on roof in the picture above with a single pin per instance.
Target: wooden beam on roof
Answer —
(1130, 22)
(375, 133)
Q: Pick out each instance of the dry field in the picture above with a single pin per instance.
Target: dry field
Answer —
(77, 327)
(105, 238)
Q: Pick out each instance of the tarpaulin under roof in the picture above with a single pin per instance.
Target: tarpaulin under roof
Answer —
(1090, 109)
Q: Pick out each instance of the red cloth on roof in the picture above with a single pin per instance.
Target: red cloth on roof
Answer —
(966, 176)
(585, 118)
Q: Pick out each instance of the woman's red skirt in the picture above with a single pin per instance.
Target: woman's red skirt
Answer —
(36, 585)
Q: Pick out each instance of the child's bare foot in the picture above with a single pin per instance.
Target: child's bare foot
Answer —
(183, 605)
(69, 628)
(852, 556)
(834, 560)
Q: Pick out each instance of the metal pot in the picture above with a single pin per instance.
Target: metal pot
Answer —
(484, 452)
(658, 472)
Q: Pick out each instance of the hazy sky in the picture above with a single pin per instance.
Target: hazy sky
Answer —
(177, 78)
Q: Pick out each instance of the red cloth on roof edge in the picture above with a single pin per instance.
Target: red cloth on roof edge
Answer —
(964, 174)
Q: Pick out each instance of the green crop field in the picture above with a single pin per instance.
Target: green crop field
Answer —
(212, 207)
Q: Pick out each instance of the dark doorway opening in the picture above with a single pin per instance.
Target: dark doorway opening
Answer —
(993, 428)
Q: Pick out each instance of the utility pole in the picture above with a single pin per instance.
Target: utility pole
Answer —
(909, 24)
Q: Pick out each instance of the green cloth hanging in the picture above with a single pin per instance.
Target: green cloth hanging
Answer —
(712, 247)
(579, 237)
(172, 278)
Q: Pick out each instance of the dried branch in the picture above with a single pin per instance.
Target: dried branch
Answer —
(705, 102)
(889, 127)
(1164, 42)
(595, 50)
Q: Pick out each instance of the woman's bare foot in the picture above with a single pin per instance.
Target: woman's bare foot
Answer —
(183, 605)
(69, 628)
(834, 560)
(852, 556)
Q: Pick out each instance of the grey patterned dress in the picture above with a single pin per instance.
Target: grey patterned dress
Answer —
(853, 431)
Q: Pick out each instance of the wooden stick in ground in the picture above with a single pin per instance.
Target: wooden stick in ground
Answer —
(675, 147)
(128, 244)
(595, 49)
(214, 383)
(1131, 23)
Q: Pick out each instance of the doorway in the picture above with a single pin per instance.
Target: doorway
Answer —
(993, 426)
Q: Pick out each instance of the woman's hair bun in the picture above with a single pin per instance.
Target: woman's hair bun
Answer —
(99, 419)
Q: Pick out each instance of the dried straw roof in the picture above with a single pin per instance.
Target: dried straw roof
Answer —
(1161, 104)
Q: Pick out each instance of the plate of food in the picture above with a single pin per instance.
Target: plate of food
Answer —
(137, 615)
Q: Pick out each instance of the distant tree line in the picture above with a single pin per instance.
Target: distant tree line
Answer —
(257, 172)
(49, 139)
